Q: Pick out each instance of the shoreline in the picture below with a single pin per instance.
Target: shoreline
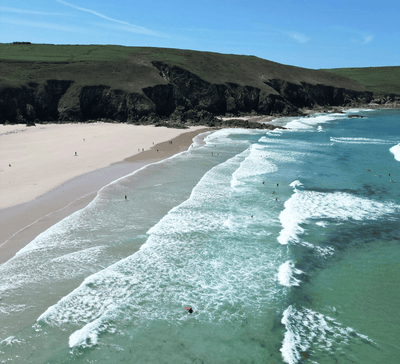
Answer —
(20, 224)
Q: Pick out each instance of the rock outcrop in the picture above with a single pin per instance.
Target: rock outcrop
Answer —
(182, 98)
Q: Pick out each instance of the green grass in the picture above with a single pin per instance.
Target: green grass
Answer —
(130, 68)
(376, 79)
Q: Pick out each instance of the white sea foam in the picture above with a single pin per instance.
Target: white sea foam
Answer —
(8, 341)
(255, 164)
(304, 205)
(192, 256)
(296, 184)
(276, 132)
(360, 140)
(85, 255)
(199, 141)
(395, 150)
(309, 331)
(285, 274)
(351, 111)
(311, 122)
(225, 135)
(87, 335)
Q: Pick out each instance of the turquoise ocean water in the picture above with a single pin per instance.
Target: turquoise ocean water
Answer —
(285, 243)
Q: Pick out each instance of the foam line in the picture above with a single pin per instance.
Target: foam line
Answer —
(254, 164)
(395, 150)
(309, 123)
(309, 331)
(285, 274)
(177, 266)
(305, 205)
(348, 140)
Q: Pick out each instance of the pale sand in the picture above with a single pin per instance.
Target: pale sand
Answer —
(43, 157)
(47, 182)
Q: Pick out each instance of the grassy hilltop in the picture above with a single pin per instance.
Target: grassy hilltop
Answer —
(65, 83)
(376, 79)
(130, 68)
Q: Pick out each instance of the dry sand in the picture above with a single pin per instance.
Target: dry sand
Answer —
(43, 157)
(47, 181)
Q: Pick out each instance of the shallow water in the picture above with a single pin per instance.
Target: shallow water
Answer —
(285, 243)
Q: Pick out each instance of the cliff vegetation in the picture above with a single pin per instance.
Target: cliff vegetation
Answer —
(172, 87)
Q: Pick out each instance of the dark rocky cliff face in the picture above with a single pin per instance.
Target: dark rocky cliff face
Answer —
(184, 99)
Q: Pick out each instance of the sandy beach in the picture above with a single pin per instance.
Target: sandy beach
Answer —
(49, 171)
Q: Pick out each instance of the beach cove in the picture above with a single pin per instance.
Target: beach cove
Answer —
(284, 242)
(43, 181)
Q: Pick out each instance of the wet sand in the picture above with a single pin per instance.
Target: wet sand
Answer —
(20, 224)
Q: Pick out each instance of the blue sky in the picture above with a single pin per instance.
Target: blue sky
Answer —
(305, 33)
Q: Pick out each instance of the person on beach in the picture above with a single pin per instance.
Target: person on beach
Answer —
(126, 197)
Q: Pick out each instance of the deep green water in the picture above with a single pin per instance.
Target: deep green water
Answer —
(286, 245)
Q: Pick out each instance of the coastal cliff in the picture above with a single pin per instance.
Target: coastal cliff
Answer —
(168, 94)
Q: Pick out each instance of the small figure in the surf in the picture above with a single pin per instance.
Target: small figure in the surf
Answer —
(126, 197)
(189, 309)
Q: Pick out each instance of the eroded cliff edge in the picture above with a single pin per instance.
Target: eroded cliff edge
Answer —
(177, 97)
